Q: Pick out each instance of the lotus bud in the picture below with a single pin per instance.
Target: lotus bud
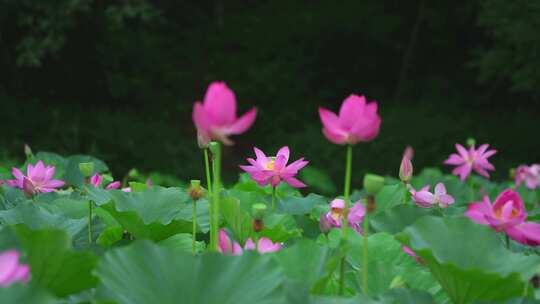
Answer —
(133, 173)
(28, 187)
(471, 142)
(373, 183)
(324, 224)
(28, 151)
(405, 170)
(195, 190)
(86, 169)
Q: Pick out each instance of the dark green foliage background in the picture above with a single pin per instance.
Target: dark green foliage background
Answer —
(117, 79)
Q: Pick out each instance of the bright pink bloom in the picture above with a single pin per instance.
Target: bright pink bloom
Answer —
(412, 254)
(264, 245)
(227, 245)
(97, 179)
(472, 159)
(426, 199)
(507, 214)
(272, 170)
(215, 118)
(406, 167)
(528, 174)
(10, 269)
(357, 121)
(38, 179)
(334, 218)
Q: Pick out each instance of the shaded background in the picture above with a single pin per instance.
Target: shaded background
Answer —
(117, 79)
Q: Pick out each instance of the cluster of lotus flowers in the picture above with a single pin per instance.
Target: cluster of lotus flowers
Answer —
(215, 119)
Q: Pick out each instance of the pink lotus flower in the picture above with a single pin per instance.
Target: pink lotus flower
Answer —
(406, 167)
(412, 254)
(357, 121)
(272, 170)
(334, 218)
(507, 214)
(528, 174)
(10, 269)
(215, 118)
(97, 179)
(228, 246)
(264, 245)
(426, 199)
(39, 179)
(473, 159)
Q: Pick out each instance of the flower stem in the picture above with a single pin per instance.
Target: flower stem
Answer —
(405, 194)
(194, 236)
(216, 168)
(207, 170)
(471, 186)
(507, 241)
(273, 198)
(348, 169)
(342, 277)
(365, 254)
(90, 232)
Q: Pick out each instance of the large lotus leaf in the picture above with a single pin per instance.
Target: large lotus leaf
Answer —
(395, 219)
(184, 242)
(10, 197)
(237, 219)
(469, 260)
(19, 293)
(203, 214)
(37, 217)
(154, 214)
(54, 265)
(389, 196)
(279, 227)
(393, 296)
(297, 205)
(75, 208)
(144, 272)
(245, 198)
(305, 261)
(98, 195)
(72, 173)
(388, 265)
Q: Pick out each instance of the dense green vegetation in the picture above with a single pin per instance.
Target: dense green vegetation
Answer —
(118, 79)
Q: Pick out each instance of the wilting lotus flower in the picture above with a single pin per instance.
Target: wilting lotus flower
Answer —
(264, 245)
(10, 269)
(272, 170)
(473, 159)
(334, 218)
(528, 174)
(357, 121)
(506, 214)
(97, 179)
(406, 167)
(426, 199)
(215, 118)
(38, 179)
